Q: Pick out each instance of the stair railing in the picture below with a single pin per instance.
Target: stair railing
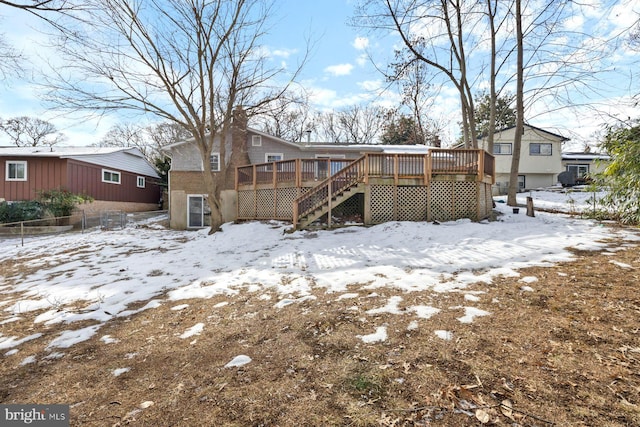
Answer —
(347, 177)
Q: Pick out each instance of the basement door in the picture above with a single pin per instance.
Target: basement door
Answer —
(195, 211)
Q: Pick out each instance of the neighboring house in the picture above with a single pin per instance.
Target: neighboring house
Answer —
(116, 178)
(583, 164)
(540, 158)
(283, 166)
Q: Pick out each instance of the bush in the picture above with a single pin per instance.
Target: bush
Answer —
(621, 178)
(20, 211)
(60, 202)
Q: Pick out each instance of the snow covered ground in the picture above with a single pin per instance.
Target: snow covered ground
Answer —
(97, 275)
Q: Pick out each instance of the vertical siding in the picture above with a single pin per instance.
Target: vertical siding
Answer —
(86, 179)
(81, 178)
(42, 174)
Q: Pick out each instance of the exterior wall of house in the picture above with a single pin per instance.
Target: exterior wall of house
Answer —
(84, 178)
(42, 174)
(189, 183)
(538, 170)
(594, 166)
(47, 173)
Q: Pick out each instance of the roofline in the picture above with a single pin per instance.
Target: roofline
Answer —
(562, 138)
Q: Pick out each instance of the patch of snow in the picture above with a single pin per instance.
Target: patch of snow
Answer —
(470, 313)
(179, 307)
(413, 325)
(27, 360)
(445, 335)
(378, 336)
(54, 355)
(391, 307)
(68, 338)
(119, 371)
(8, 342)
(473, 298)
(108, 339)
(238, 361)
(348, 296)
(194, 330)
(529, 279)
(424, 311)
(620, 264)
(526, 288)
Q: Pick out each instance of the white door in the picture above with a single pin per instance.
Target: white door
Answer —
(195, 211)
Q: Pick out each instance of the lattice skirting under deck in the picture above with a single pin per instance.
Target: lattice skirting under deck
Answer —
(441, 201)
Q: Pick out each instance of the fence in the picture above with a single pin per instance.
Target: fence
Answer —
(79, 222)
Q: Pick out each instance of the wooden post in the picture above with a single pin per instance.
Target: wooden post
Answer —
(530, 211)
(480, 165)
(330, 204)
(22, 232)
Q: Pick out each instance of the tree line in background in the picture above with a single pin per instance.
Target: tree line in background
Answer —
(191, 63)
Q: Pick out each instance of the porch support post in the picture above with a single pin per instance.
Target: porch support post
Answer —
(480, 165)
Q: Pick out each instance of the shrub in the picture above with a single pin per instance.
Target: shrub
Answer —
(60, 202)
(20, 211)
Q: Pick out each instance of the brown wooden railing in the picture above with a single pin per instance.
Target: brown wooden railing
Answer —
(335, 184)
(293, 172)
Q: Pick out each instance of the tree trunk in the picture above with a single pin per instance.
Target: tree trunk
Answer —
(517, 141)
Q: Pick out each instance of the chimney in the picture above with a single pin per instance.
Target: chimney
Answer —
(239, 118)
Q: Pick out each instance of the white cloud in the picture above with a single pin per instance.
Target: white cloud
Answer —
(283, 53)
(361, 43)
(339, 70)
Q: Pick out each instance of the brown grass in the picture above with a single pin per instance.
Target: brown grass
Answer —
(566, 354)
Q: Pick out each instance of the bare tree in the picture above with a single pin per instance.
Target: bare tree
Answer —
(422, 27)
(288, 117)
(188, 62)
(517, 142)
(362, 124)
(11, 60)
(27, 131)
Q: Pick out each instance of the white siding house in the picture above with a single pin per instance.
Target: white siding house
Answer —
(540, 158)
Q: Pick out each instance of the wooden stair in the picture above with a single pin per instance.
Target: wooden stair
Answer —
(328, 194)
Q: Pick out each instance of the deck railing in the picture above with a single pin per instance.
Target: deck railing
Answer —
(294, 172)
(374, 165)
(341, 180)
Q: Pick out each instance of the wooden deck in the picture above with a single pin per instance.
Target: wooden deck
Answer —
(302, 190)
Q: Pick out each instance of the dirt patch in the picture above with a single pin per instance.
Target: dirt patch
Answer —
(561, 346)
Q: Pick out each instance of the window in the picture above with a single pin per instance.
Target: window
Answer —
(536, 149)
(215, 162)
(112, 177)
(256, 141)
(521, 182)
(502, 148)
(273, 157)
(579, 171)
(16, 170)
(141, 182)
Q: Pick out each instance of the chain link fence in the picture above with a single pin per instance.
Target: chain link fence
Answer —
(79, 222)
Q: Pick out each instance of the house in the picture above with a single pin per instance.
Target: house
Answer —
(116, 178)
(540, 158)
(301, 182)
(582, 165)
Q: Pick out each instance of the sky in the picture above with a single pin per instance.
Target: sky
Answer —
(340, 74)
(91, 278)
